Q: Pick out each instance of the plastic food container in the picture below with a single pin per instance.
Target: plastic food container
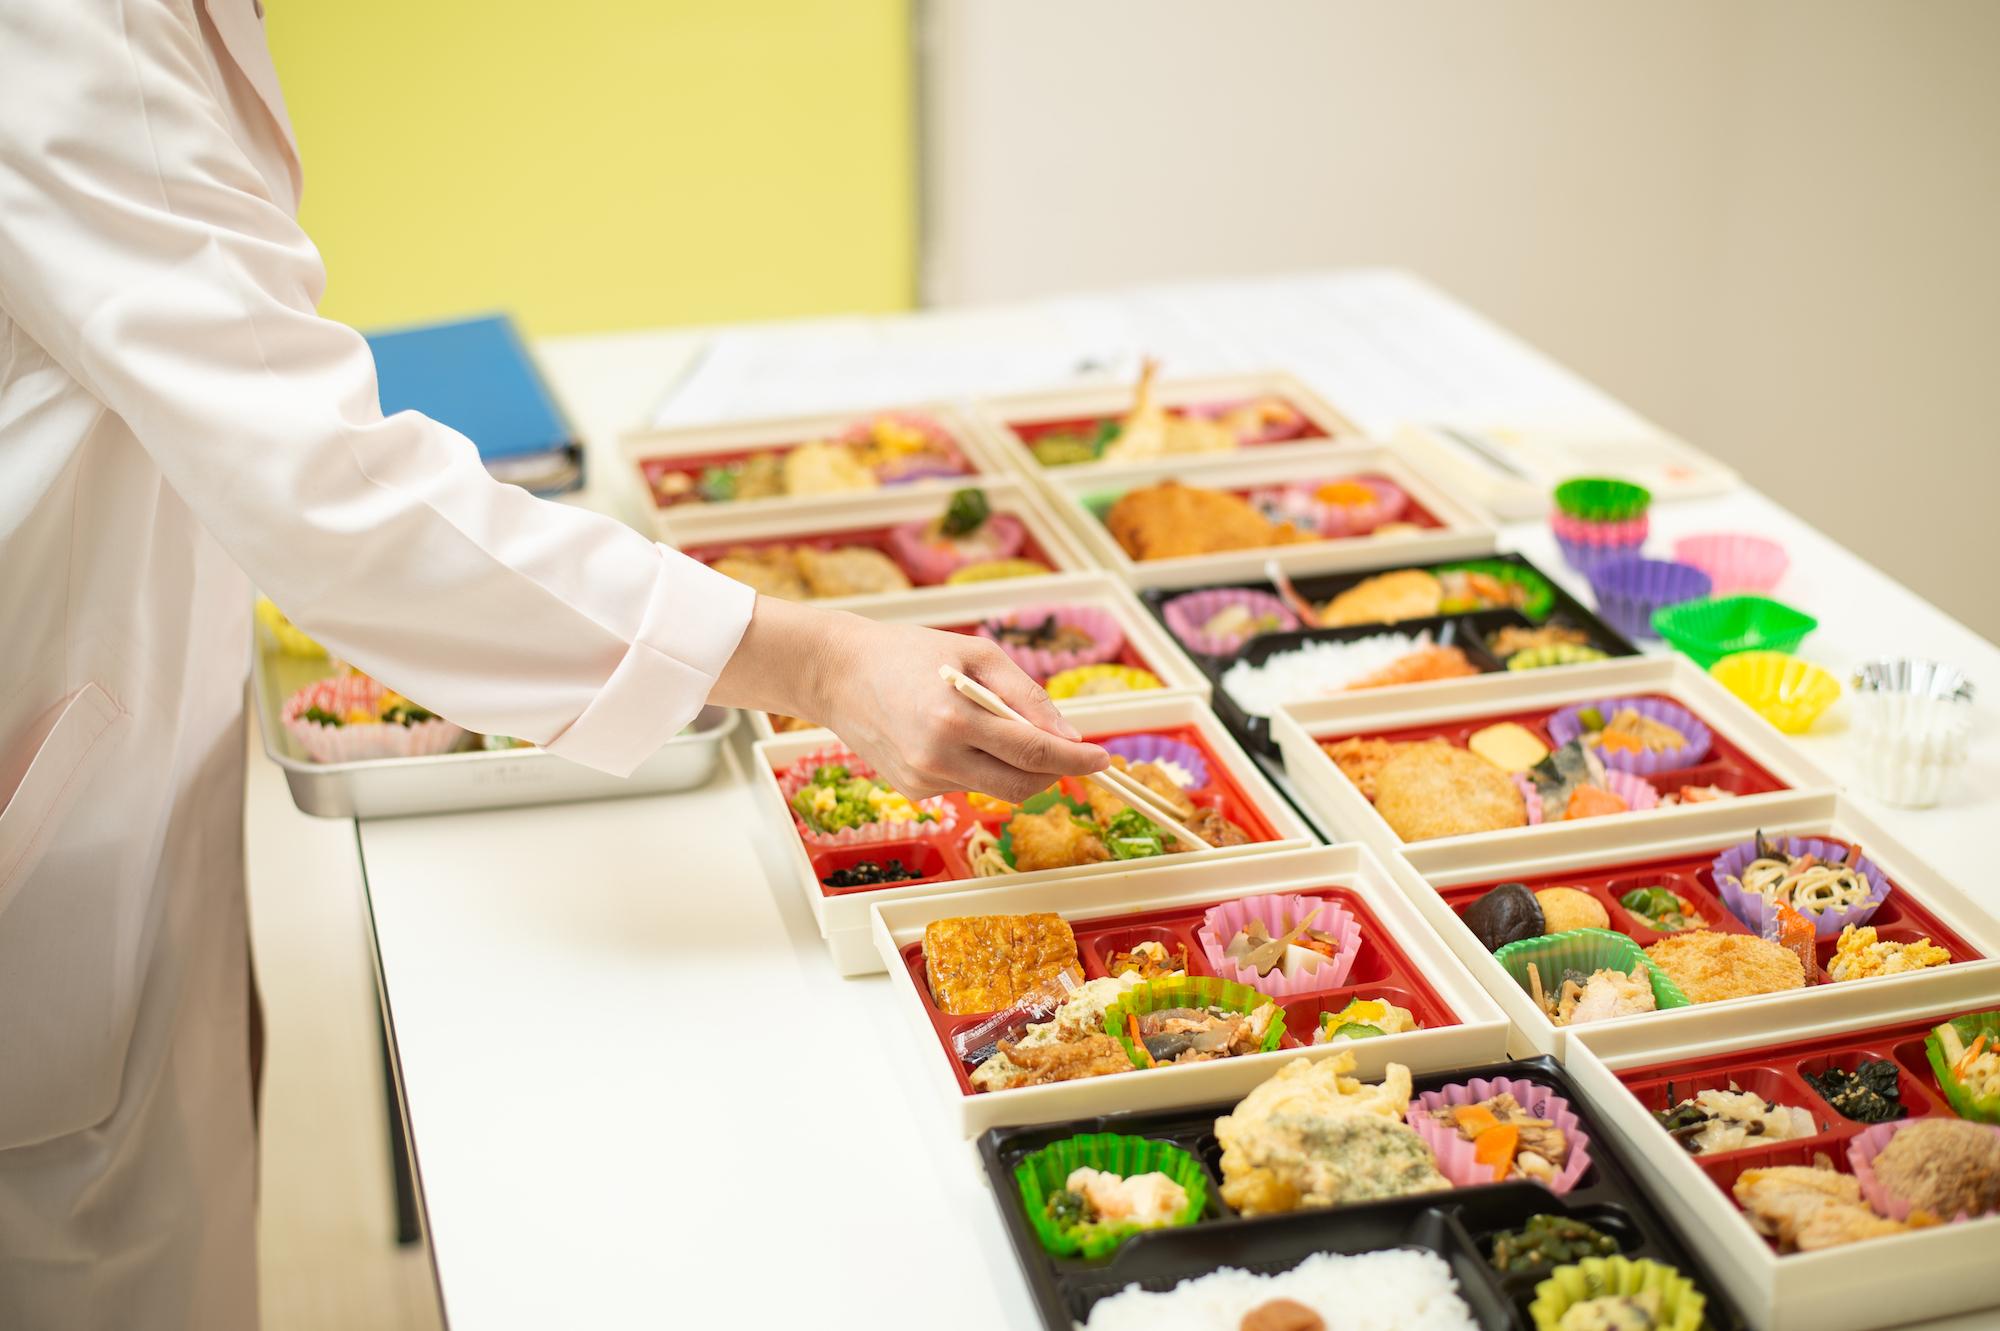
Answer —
(1788, 692)
(1735, 561)
(1629, 591)
(1912, 728)
(1708, 630)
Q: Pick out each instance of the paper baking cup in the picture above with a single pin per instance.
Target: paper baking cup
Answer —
(1583, 556)
(1046, 1172)
(930, 560)
(943, 812)
(1187, 991)
(1864, 1146)
(1221, 923)
(1587, 951)
(1555, 654)
(1454, 1153)
(1567, 725)
(1637, 792)
(359, 743)
(1602, 499)
(1784, 690)
(1629, 590)
(1911, 728)
(1160, 749)
(1185, 615)
(1631, 531)
(1735, 561)
(1107, 639)
(1980, 1109)
(1539, 593)
(1299, 505)
(1709, 629)
(1755, 911)
(1097, 680)
(1682, 1306)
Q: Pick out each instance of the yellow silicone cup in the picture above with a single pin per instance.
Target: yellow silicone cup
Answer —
(1080, 681)
(1788, 692)
(1681, 1304)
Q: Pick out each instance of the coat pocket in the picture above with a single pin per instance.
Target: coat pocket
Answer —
(48, 779)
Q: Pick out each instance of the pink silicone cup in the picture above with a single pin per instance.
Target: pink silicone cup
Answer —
(1222, 923)
(1567, 725)
(1454, 1153)
(1862, 1149)
(1582, 531)
(930, 560)
(1735, 561)
(1751, 907)
(1107, 638)
(1158, 748)
(1298, 504)
(791, 779)
(361, 743)
(1185, 615)
(1636, 791)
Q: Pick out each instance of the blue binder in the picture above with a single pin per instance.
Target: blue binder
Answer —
(476, 376)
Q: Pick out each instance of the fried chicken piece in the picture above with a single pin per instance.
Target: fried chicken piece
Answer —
(1710, 967)
(1089, 1056)
(1054, 839)
(850, 570)
(1168, 520)
(772, 571)
(1216, 830)
(820, 468)
(1438, 790)
(1105, 806)
(1808, 1207)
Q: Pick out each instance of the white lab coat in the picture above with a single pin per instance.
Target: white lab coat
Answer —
(173, 415)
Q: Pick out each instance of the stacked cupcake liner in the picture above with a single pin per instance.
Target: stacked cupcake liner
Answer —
(1757, 913)
(1784, 690)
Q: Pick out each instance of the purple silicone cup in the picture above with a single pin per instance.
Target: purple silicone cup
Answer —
(1222, 923)
(1637, 792)
(1755, 912)
(1107, 639)
(1583, 556)
(1564, 726)
(1629, 590)
(1454, 1153)
(1862, 1149)
(1185, 615)
(1158, 748)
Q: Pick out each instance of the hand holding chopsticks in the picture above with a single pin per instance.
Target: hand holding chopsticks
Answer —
(1125, 787)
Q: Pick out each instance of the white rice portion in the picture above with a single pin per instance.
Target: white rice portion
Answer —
(1314, 670)
(1401, 1289)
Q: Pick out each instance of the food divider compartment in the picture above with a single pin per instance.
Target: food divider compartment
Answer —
(1458, 1225)
(869, 537)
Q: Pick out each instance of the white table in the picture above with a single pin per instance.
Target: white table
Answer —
(640, 1096)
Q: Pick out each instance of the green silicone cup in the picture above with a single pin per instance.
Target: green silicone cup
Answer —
(1585, 950)
(1682, 1306)
(1187, 991)
(1044, 1173)
(1555, 654)
(1602, 499)
(1980, 1109)
(1708, 630)
(1541, 595)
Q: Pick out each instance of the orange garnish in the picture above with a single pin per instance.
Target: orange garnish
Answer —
(1589, 802)
(1345, 494)
(1132, 1029)
(1496, 1148)
(1476, 1119)
(1960, 1068)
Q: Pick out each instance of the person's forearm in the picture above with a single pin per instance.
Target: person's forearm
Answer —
(785, 662)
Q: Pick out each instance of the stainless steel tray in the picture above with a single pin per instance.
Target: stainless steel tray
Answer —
(474, 779)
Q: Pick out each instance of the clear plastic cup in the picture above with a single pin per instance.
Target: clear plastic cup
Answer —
(1911, 728)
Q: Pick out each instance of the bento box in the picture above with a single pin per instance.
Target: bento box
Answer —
(756, 468)
(1366, 505)
(1083, 637)
(1473, 1230)
(1501, 612)
(468, 776)
(1385, 952)
(1689, 749)
(1076, 431)
(959, 842)
(841, 553)
(1630, 1071)
(1702, 863)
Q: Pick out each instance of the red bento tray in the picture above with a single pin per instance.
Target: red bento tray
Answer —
(1776, 1073)
(1726, 766)
(1414, 513)
(1301, 428)
(692, 465)
(942, 859)
(1900, 918)
(876, 538)
(1381, 970)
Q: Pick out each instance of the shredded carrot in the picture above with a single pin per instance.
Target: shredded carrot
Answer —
(1963, 1065)
(1132, 1028)
(1496, 1147)
(1474, 1119)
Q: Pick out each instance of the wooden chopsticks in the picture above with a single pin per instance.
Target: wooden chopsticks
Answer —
(1125, 787)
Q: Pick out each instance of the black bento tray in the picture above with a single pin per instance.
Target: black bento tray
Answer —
(1457, 1225)
(1468, 630)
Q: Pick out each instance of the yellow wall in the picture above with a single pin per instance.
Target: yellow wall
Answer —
(608, 164)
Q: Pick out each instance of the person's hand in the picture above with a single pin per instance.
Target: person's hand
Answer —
(884, 697)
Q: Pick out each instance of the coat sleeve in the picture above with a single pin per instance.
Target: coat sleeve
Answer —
(141, 248)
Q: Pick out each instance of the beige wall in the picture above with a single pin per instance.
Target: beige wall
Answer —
(1769, 226)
